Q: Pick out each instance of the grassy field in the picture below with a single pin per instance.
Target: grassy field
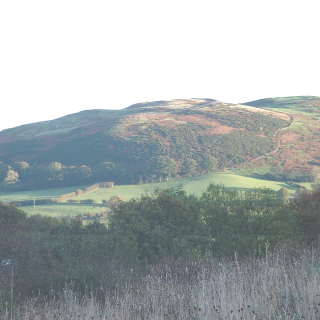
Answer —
(38, 194)
(65, 209)
(193, 185)
(291, 109)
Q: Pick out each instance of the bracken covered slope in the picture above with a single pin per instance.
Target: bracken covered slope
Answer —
(179, 129)
(300, 143)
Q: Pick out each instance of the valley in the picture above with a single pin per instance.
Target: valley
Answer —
(163, 144)
(192, 185)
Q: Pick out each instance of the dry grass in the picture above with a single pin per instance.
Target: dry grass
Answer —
(282, 285)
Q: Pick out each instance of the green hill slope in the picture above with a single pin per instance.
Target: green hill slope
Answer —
(148, 141)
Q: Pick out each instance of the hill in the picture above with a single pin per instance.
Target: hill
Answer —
(299, 144)
(146, 141)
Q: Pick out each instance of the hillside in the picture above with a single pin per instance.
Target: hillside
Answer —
(300, 143)
(147, 140)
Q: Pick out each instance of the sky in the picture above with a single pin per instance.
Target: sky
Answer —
(61, 57)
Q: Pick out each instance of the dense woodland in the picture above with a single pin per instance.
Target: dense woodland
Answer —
(24, 176)
(45, 252)
(181, 142)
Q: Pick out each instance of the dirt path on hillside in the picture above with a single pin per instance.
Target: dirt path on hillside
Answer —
(278, 141)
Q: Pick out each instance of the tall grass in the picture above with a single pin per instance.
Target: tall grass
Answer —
(284, 284)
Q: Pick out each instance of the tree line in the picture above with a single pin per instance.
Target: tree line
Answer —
(24, 176)
(21, 175)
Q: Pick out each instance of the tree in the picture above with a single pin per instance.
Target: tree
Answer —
(209, 163)
(276, 172)
(55, 166)
(306, 211)
(166, 223)
(20, 166)
(291, 176)
(38, 176)
(74, 175)
(11, 180)
(315, 174)
(283, 195)
(242, 220)
(300, 191)
(315, 177)
(10, 213)
(3, 170)
(189, 167)
(114, 200)
(108, 171)
(163, 167)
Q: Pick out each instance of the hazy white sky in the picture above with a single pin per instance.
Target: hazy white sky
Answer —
(63, 56)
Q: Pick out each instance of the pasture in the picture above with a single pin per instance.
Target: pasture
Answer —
(66, 209)
(193, 185)
(38, 194)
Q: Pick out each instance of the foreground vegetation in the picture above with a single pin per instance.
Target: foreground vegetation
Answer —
(280, 285)
(41, 254)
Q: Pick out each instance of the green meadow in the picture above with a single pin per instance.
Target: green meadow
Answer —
(193, 185)
(65, 209)
(38, 194)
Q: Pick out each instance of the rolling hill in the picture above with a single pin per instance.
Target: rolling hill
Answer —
(131, 137)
